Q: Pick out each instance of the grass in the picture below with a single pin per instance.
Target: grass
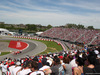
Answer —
(51, 47)
(4, 53)
(5, 41)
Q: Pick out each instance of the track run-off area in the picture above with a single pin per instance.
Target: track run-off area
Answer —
(34, 48)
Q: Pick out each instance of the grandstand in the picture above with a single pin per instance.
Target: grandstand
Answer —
(82, 36)
(46, 62)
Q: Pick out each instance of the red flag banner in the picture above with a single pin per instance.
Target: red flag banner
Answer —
(18, 45)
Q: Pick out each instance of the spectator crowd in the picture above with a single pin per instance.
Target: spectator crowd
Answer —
(75, 35)
(72, 62)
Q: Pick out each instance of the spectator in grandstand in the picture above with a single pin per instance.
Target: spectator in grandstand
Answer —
(49, 59)
(4, 67)
(79, 69)
(61, 58)
(11, 67)
(46, 66)
(97, 57)
(17, 67)
(37, 60)
(72, 61)
(85, 59)
(34, 69)
(57, 68)
(92, 62)
(25, 68)
(67, 67)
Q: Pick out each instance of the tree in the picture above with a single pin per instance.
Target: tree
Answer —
(90, 27)
(49, 26)
(80, 26)
(12, 27)
(2, 25)
(34, 27)
(71, 26)
(31, 27)
(27, 25)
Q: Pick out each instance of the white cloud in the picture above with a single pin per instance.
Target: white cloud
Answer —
(51, 16)
(27, 4)
(46, 18)
(82, 4)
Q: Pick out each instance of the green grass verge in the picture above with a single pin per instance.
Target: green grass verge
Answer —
(4, 53)
(5, 41)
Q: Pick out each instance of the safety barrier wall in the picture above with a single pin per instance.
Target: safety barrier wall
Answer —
(59, 43)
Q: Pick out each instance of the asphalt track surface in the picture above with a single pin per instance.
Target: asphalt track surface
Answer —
(34, 48)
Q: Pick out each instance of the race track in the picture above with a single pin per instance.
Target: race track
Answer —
(34, 48)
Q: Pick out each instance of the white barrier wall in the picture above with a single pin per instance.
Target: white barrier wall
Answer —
(59, 43)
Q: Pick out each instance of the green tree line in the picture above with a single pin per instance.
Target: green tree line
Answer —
(79, 26)
(34, 27)
(27, 27)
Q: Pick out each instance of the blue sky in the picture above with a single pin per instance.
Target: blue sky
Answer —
(54, 12)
